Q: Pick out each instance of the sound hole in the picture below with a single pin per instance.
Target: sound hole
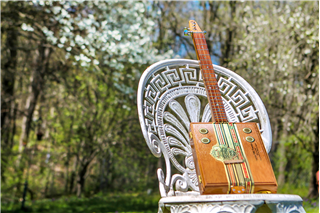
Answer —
(247, 130)
(205, 140)
(249, 139)
(203, 131)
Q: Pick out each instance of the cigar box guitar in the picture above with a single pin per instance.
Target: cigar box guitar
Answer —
(230, 158)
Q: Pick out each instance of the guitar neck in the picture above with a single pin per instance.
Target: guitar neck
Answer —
(214, 96)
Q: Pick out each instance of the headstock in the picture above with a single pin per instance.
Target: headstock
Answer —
(193, 28)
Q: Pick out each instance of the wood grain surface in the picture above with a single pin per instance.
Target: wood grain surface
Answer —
(212, 172)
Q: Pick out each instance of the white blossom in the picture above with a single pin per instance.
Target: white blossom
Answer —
(26, 27)
(127, 40)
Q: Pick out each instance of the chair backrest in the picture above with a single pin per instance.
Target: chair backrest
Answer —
(171, 94)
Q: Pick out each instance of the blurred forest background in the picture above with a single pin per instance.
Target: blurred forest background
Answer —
(70, 70)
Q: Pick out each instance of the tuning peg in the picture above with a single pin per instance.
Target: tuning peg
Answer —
(186, 32)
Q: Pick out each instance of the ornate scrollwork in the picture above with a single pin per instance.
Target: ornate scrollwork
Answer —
(213, 208)
(289, 208)
(235, 203)
(155, 144)
(171, 94)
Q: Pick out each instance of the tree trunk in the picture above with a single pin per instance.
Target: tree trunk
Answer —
(68, 156)
(230, 33)
(52, 188)
(46, 188)
(8, 111)
(282, 152)
(41, 61)
(282, 163)
(313, 185)
(73, 175)
(67, 172)
(102, 172)
(34, 91)
(81, 178)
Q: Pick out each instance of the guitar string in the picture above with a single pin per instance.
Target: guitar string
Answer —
(216, 89)
(215, 100)
(214, 110)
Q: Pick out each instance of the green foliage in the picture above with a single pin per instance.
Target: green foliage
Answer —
(70, 71)
(85, 107)
(297, 160)
(311, 207)
(137, 202)
(282, 66)
(110, 203)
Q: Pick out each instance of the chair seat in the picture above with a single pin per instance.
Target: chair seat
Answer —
(240, 203)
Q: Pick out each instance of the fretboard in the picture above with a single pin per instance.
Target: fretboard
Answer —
(214, 96)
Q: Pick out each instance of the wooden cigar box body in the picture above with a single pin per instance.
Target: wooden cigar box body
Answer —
(237, 167)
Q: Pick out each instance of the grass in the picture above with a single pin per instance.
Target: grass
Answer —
(96, 204)
(310, 206)
(137, 202)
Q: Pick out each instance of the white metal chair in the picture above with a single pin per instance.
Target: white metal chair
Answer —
(171, 94)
